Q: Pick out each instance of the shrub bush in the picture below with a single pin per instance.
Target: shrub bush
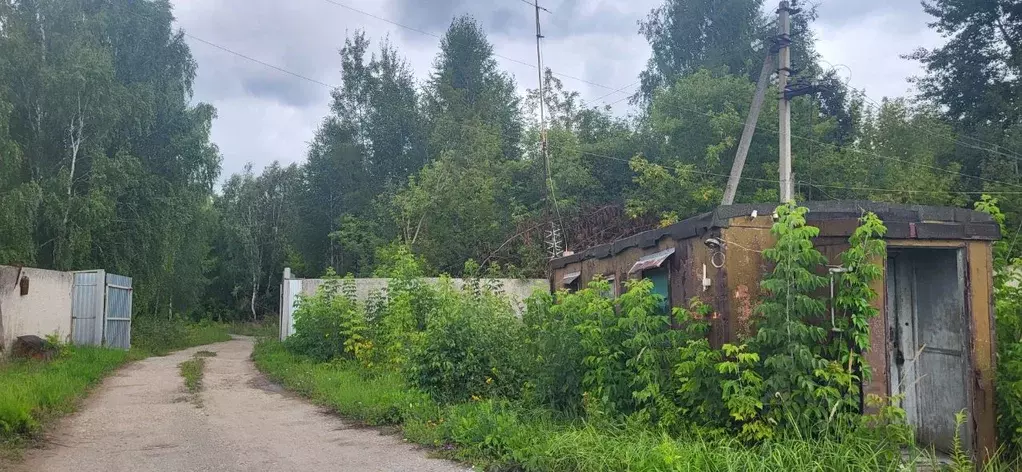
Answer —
(151, 335)
(331, 324)
(1008, 312)
(473, 346)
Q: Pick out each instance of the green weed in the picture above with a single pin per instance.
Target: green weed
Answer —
(191, 371)
(152, 336)
(505, 435)
(33, 392)
(261, 329)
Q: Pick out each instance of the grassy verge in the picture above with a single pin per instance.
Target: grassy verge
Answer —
(159, 336)
(260, 329)
(502, 435)
(32, 393)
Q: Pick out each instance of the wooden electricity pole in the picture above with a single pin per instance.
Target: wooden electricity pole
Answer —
(784, 104)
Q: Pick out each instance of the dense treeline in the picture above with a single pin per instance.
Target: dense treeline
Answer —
(106, 161)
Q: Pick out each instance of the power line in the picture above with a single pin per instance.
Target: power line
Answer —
(434, 35)
(622, 89)
(850, 149)
(267, 64)
(830, 186)
(878, 106)
(385, 20)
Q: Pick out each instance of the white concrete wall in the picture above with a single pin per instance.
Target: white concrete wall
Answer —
(46, 309)
(517, 290)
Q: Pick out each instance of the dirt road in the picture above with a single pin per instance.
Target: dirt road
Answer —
(142, 419)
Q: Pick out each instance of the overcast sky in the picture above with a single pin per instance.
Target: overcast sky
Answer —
(266, 115)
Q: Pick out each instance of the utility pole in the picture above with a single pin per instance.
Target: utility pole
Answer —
(542, 97)
(750, 129)
(555, 234)
(784, 105)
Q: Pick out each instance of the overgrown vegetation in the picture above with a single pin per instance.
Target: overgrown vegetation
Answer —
(106, 159)
(152, 336)
(191, 372)
(34, 392)
(1008, 312)
(584, 381)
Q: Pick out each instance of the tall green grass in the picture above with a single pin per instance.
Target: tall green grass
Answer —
(32, 392)
(258, 329)
(503, 435)
(156, 336)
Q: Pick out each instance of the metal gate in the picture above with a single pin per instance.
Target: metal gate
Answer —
(101, 309)
(87, 302)
(118, 312)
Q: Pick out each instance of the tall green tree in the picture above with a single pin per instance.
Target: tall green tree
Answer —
(116, 158)
(371, 142)
(687, 35)
(467, 91)
(259, 218)
(975, 78)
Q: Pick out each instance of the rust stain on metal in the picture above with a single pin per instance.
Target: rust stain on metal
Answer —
(743, 309)
(980, 262)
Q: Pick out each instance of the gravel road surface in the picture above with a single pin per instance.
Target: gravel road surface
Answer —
(143, 419)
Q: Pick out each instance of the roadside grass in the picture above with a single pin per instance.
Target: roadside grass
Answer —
(258, 329)
(152, 336)
(34, 393)
(501, 435)
(191, 371)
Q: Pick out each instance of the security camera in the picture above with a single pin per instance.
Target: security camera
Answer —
(713, 243)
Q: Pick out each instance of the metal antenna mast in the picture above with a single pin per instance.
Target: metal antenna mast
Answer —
(554, 236)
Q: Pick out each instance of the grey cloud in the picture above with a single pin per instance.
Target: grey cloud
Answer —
(514, 19)
(843, 13)
(266, 115)
(284, 89)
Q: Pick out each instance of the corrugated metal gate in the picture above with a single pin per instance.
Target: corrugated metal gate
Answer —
(101, 309)
(118, 312)
(88, 298)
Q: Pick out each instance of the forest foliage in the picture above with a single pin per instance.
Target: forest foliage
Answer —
(106, 159)
(586, 380)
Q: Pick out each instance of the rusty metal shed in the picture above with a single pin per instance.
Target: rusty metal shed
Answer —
(934, 340)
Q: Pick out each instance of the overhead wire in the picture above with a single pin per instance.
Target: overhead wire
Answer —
(928, 131)
(958, 140)
(257, 61)
(818, 185)
(437, 36)
(811, 140)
